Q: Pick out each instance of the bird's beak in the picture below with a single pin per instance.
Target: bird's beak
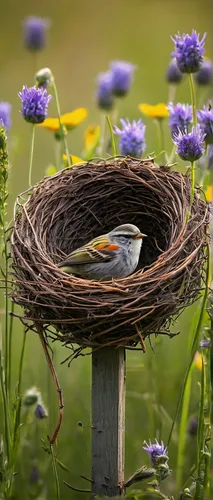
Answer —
(140, 236)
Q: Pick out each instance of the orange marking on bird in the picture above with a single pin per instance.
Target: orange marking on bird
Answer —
(105, 246)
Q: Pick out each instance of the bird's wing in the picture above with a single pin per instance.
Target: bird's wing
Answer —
(98, 250)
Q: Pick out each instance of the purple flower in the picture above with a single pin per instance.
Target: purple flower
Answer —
(40, 412)
(180, 117)
(205, 74)
(190, 147)
(188, 51)
(34, 104)
(122, 77)
(5, 111)
(155, 450)
(205, 118)
(132, 140)
(173, 74)
(35, 32)
(104, 97)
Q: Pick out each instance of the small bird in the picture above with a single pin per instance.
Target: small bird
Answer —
(112, 255)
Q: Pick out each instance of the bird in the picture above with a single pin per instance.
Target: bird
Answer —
(110, 256)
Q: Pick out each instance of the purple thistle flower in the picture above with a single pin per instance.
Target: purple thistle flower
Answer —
(40, 412)
(205, 74)
(132, 140)
(35, 32)
(155, 450)
(173, 74)
(205, 118)
(189, 51)
(104, 97)
(180, 117)
(34, 104)
(190, 147)
(122, 77)
(5, 111)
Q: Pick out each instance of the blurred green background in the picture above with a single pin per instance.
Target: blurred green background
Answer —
(83, 38)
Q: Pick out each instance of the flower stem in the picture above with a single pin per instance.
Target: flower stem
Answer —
(31, 155)
(112, 136)
(161, 137)
(21, 362)
(61, 126)
(10, 347)
(193, 184)
(193, 99)
(171, 93)
(103, 134)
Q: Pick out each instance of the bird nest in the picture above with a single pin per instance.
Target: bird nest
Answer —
(70, 208)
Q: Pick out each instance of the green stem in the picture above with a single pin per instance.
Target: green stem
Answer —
(192, 184)
(193, 99)
(10, 347)
(112, 136)
(195, 342)
(207, 426)
(103, 134)
(21, 362)
(161, 137)
(172, 91)
(6, 408)
(200, 438)
(182, 431)
(6, 333)
(31, 155)
(55, 472)
(61, 126)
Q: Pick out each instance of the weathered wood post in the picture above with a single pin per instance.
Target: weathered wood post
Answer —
(108, 421)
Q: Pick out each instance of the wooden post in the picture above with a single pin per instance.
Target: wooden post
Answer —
(108, 421)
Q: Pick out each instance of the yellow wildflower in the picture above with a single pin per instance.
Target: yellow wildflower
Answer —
(198, 362)
(74, 160)
(91, 136)
(157, 111)
(208, 193)
(70, 120)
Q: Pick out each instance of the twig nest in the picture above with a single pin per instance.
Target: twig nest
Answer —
(70, 208)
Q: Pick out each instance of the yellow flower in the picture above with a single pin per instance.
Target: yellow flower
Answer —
(158, 111)
(70, 120)
(198, 362)
(74, 159)
(208, 193)
(91, 136)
